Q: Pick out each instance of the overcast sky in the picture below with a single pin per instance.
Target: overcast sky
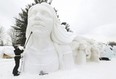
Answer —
(90, 18)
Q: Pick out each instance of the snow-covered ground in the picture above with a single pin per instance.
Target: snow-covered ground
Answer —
(91, 70)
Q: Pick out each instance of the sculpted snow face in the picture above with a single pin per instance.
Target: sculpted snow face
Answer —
(40, 53)
(40, 19)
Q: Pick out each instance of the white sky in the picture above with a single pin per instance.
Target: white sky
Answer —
(91, 18)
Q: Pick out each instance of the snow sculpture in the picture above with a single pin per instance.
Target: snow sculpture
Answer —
(81, 55)
(84, 50)
(107, 51)
(47, 49)
(79, 51)
(62, 39)
(95, 53)
(88, 53)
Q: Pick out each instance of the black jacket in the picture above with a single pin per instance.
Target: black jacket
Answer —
(18, 52)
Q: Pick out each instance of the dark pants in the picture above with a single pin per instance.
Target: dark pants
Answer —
(17, 63)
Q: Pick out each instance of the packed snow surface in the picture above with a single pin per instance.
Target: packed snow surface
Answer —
(90, 70)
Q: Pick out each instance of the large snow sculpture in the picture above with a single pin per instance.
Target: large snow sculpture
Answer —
(47, 49)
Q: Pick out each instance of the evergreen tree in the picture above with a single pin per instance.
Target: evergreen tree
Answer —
(21, 23)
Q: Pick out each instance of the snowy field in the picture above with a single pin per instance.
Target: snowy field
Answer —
(91, 70)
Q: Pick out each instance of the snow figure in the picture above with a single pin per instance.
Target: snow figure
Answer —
(95, 54)
(85, 50)
(94, 51)
(79, 50)
(88, 53)
(47, 49)
(81, 55)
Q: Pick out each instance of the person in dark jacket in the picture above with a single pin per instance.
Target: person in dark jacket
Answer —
(17, 58)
